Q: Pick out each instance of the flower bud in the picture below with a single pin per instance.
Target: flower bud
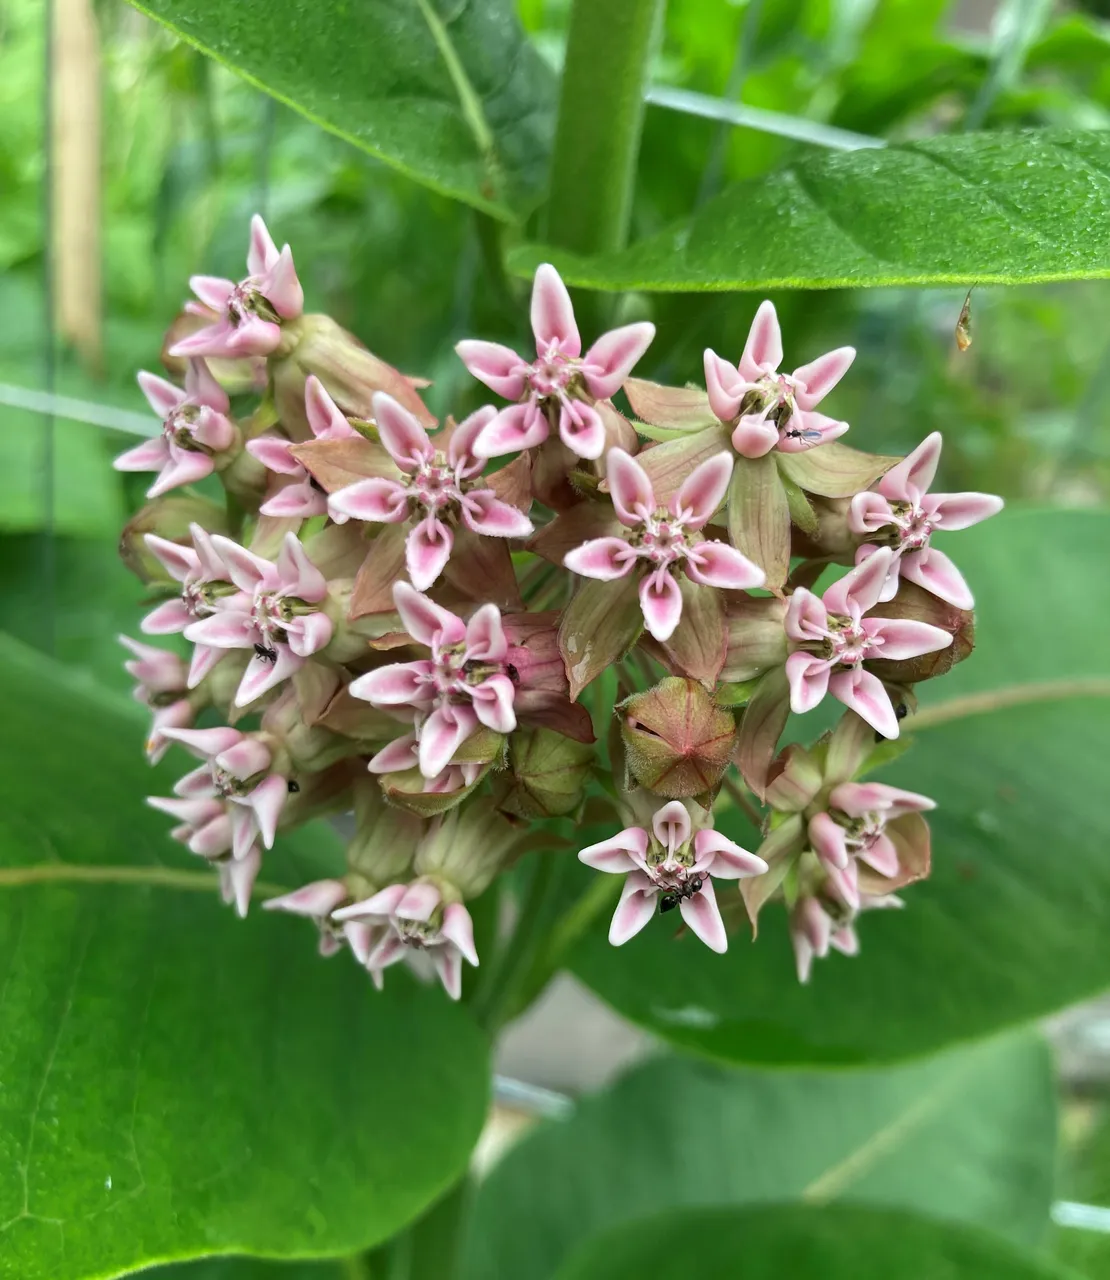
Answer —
(385, 840)
(916, 603)
(794, 779)
(828, 537)
(467, 847)
(549, 774)
(677, 740)
(756, 639)
(168, 517)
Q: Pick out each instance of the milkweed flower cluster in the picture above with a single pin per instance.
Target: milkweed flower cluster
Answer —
(396, 619)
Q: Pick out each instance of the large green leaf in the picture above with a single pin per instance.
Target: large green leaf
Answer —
(803, 1244)
(1013, 920)
(175, 1082)
(972, 208)
(969, 1135)
(451, 94)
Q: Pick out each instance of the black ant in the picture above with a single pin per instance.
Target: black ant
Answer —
(901, 711)
(265, 653)
(292, 786)
(673, 897)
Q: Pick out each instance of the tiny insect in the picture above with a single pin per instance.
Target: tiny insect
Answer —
(293, 786)
(901, 711)
(265, 653)
(963, 324)
(809, 435)
(673, 897)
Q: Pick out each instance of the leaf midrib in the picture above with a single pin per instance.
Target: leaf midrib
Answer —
(158, 877)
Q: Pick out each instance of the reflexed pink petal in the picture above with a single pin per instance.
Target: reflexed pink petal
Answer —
(603, 558)
(227, 629)
(629, 487)
(553, 323)
(869, 512)
(716, 564)
(262, 675)
(862, 586)
(273, 453)
(267, 800)
(754, 437)
(844, 882)
(441, 735)
(493, 703)
(661, 604)
(448, 967)
(499, 367)
(384, 903)
(905, 637)
(309, 633)
(703, 490)
(485, 636)
(196, 811)
(859, 798)
(205, 658)
(204, 389)
(961, 510)
(396, 757)
(727, 860)
(162, 396)
(803, 955)
(808, 676)
(427, 549)
(325, 418)
(613, 357)
(389, 950)
(671, 825)
(484, 512)
(806, 616)
(635, 909)
(619, 853)
(400, 684)
(882, 855)
(197, 782)
(262, 253)
(297, 574)
(460, 447)
(213, 839)
(912, 477)
(244, 758)
(178, 715)
(151, 455)
(400, 432)
(424, 620)
(582, 429)
(186, 468)
(378, 499)
(243, 830)
(821, 375)
(418, 902)
(519, 427)
(724, 386)
(281, 287)
(933, 570)
(361, 935)
(863, 693)
(213, 340)
(816, 428)
(829, 840)
(168, 618)
(703, 916)
(763, 349)
(213, 291)
(458, 929)
(210, 567)
(206, 743)
(845, 941)
(245, 569)
(296, 501)
(813, 923)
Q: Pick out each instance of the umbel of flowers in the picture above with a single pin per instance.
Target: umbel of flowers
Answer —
(396, 619)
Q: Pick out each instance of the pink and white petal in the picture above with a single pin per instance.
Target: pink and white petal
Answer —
(426, 621)
(273, 453)
(703, 490)
(209, 565)
(828, 840)
(185, 468)
(378, 499)
(493, 703)
(316, 900)
(151, 455)
(602, 558)
(661, 604)
(204, 389)
(458, 929)
(803, 956)
(911, 478)
(460, 447)
(869, 512)
(206, 743)
(582, 429)
(484, 512)
(619, 854)
(935, 572)
(448, 967)
(553, 323)
(243, 830)
(703, 916)
(844, 883)
(671, 825)
(389, 951)
(845, 940)
(262, 675)
(808, 677)
(882, 855)
(170, 617)
(267, 801)
(613, 357)
(859, 798)
(485, 636)
(282, 287)
(197, 783)
(634, 910)
(861, 586)
(441, 735)
(724, 386)
(309, 633)
(297, 574)
(400, 684)
(754, 437)
(162, 396)
(204, 659)
(863, 692)
(401, 433)
(499, 367)
(243, 759)
(716, 564)
(904, 637)
(961, 510)
(213, 291)
(262, 252)
(325, 418)
(726, 859)
(763, 349)
(806, 616)
(383, 903)
(629, 487)
(519, 427)
(813, 428)
(245, 569)
(226, 629)
(418, 902)
(427, 550)
(296, 501)
(211, 840)
(821, 375)
(399, 755)
(195, 811)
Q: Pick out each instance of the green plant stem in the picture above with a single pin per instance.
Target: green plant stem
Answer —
(434, 1244)
(601, 111)
(742, 802)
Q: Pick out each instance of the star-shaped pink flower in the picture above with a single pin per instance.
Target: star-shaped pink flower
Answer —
(316, 902)
(247, 316)
(561, 385)
(162, 685)
(773, 410)
(833, 640)
(665, 540)
(435, 491)
(819, 924)
(901, 513)
(671, 867)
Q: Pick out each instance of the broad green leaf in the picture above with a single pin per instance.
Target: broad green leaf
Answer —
(1012, 922)
(177, 1082)
(452, 95)
(972, 208)
(803, 1244)
(253, 1269)
(969, 1135)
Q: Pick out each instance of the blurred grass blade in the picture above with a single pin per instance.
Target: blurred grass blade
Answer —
(1016, 25)
(95, 415)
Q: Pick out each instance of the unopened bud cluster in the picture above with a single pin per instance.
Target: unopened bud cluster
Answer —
(394, 619)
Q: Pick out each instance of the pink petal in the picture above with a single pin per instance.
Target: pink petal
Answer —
(226, 629)
(361, 935)
(858, 798)
(519, 427)
(882, 855)
(869, 512)
(316, 900)
(863, 693)
(206, 743)
(961, 510)
(273, 453)
(441, 735)
(603, 558)
(213, 291)
(281, 287)
(424, 620)
(613, 357)
(485, 636)
(484, 512)
(180, 562)
(325, 419)
(297, 574)
(844, 882)
(911, 478)
(703, 491)
(418, 902)
(635, 909)
(167, 619)
(493, 703)
(296, 501)
(845, 941)
(727, 860)
(204, 389)
(671, 825)
(808, 676)
(210, 567)
(262, 253)
(267, 801)
(460, 447)
(309, 633)
(581, 429)
(213, 839)
(763, 349)
(196, 811)
(246, 570)
(242, 831)
(377, 499)
(821, 375)
(661, 604)
(185, 468)
(400, 684)
(400, 432)
(499, 367)
(384, 903)
(629, 487)
(935, 572)
(553, 315)
(395, 758)
(448, 967)
(724, 386)
(807, 429)
(262, 675)
(458, 929)
(427, 550)
(754, 437)
(905, 637)
(151, 455)
(703, 916)
(205, 658)
(806, 616)
(619, 853)
(862, 586)
(244, 758)
(162, 396)
(829, 840)
(716, 564)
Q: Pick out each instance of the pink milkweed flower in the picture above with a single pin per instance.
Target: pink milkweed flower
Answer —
(317, 901)
(162, 686)
(833, 640)
(195, 427)
(205, 585)
(435, 490)
(404, 753)
(464, 684)
(247, 316)
(665, 539)
(900, 513)
(418, 918)
(821, 924)
(774, 410)
(668, 867)
(561, 385)
(205, 828)
(277, 614)
(301, 497)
